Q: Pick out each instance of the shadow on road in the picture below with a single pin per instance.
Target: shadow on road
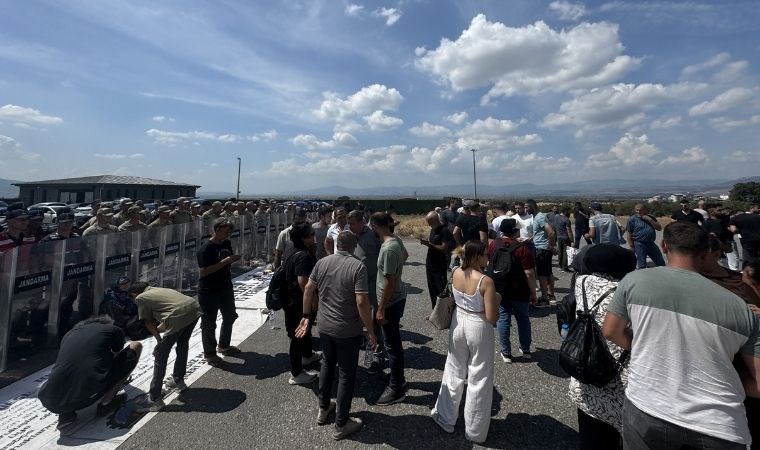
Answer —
(548, 361)
(207, 400)
(256, 364)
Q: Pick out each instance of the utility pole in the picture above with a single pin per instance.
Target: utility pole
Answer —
(474, 177)
(237, 195)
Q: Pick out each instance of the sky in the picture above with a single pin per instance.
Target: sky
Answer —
(314, 93)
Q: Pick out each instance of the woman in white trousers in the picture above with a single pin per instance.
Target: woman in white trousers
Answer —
(471, 347)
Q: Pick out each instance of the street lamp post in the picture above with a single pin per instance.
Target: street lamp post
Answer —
(237, 195)
(474, 177)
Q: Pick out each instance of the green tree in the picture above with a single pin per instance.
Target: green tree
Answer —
(745, 192)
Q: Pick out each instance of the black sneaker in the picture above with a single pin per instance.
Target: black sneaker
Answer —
(113, 405)
(65, 420)
(390, 397)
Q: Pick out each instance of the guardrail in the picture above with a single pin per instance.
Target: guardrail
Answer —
(45, 288)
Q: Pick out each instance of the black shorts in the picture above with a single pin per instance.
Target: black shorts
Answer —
(124, 363)
(543, 262)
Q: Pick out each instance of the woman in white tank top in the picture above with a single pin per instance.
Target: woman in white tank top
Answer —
(471, 339)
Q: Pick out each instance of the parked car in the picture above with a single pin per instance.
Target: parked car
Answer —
(82, 214)
(50, 213)
(38, 205)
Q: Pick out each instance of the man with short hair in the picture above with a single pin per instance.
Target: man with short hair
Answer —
(341, 224)
(581, 219)
(687, 214)
(341, 280)
(92, 365)
(501, 214)
(544, 239)
(564, 232)
(701, 209)
(685, 394)
(470, 226)
(133, 223)
(321, 227)
(391, 303)
(215, 292)
(436, 266)
(604, 228)
(175, 315)
(283, 239)
(450, 215)
(748, 225)
(103, 224)
(642, 233)
(524, 220)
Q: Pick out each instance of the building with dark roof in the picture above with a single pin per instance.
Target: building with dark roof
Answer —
(105, 187)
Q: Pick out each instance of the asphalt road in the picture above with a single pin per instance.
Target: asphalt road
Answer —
(249, 404)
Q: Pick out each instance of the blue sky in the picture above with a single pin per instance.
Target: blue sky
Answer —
(315, 93)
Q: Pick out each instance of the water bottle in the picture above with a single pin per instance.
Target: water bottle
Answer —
(565, 329)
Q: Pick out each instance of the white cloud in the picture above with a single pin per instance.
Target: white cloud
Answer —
(457, 118)
(162, 119)
(379, 121)
(27, 116)
(528, 60)
(716, 61)
(621, 105)
(629, 151)
(10, 150)
(176, 137)
(391, 15)
(725, 101)
(566, 10)
(724, 124)
(365, 101)
(493, 134)
(339, 139)
(664, 123)
(693, 155)
(744, 156)
(353, 10)
(119, 155)
(429, 130)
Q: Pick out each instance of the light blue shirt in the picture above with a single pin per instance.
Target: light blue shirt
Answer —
(540, 239)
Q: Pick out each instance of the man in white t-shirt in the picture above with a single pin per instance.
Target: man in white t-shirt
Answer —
(341, 224)
(524, 221)
(501, 214)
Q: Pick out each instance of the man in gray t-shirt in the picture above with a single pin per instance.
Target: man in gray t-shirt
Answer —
(683, 331)
(341, 280)
(367, 250)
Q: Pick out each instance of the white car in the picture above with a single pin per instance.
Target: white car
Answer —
(50, 213)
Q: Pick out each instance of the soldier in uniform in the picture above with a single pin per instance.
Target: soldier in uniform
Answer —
(210, 216)
(134, 223)
(182, 213)
(195, 211)
(260, 230)
(103, 223)
(123, 214)
(229, 209)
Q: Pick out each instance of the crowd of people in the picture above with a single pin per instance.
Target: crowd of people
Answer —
(689, 321)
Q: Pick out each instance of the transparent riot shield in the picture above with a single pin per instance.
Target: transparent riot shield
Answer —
(75, 286)
(148, 248)
(260, 238)
(274, 224)
(31, 298)
(117, 258)
(283, 222)
(7, 274)
(170, 258)
(190, 246)
(236, 240)
(246, 224)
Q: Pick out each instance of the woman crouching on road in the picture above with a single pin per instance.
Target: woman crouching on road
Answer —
(471, 347)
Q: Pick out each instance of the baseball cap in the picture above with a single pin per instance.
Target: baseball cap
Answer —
(65, 217)
(508, 227)
(596, 206)
(164, 208)
(105, 212)
(134, 209)
(195, 205)
(469, 203)
(36, 214)
(16, 214)
(183, 200)
(216, 203)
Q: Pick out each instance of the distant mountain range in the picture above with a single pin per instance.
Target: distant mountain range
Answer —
(592, 188)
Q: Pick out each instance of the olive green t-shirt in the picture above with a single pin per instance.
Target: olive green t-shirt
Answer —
(169, 307)
(390, 261)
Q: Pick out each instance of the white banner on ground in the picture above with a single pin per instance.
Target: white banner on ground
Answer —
(26, 424)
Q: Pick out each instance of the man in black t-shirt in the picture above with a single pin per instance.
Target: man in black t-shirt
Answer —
(748, 225)
(299, 260)
(688, 214)
(471, 227)
(215, 292)
(92, 365)
(436, 262)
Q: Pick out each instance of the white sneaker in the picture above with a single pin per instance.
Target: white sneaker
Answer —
(506, 358)
(304, 377)
(524, 354)
(315, 356)
(176, 385)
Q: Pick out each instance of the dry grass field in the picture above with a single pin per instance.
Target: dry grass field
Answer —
(414, 226)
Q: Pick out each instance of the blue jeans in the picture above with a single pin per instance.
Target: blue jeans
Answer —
(392, 336)
(644, 249)
(520, 310)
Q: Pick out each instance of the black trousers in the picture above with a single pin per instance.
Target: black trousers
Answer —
(753, 419)
(299, 348)
(642, 431)
(211, 304)
(437, 278)
(345, 353)
(393, 344)
(596, 434)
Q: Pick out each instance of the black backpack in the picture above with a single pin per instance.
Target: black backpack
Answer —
(277, 292)
(505, 270)
(566, 308)
(584, 354)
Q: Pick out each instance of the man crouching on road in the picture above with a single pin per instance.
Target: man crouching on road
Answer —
(341, 280)
(93, 364)
(174, 314)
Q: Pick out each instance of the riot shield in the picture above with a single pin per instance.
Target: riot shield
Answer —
(148, 244)
(117, 258)
(73, 287)
(190, 246)
(170, 258)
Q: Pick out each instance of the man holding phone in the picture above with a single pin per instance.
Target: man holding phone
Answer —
(436, 263)
(215, 292)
